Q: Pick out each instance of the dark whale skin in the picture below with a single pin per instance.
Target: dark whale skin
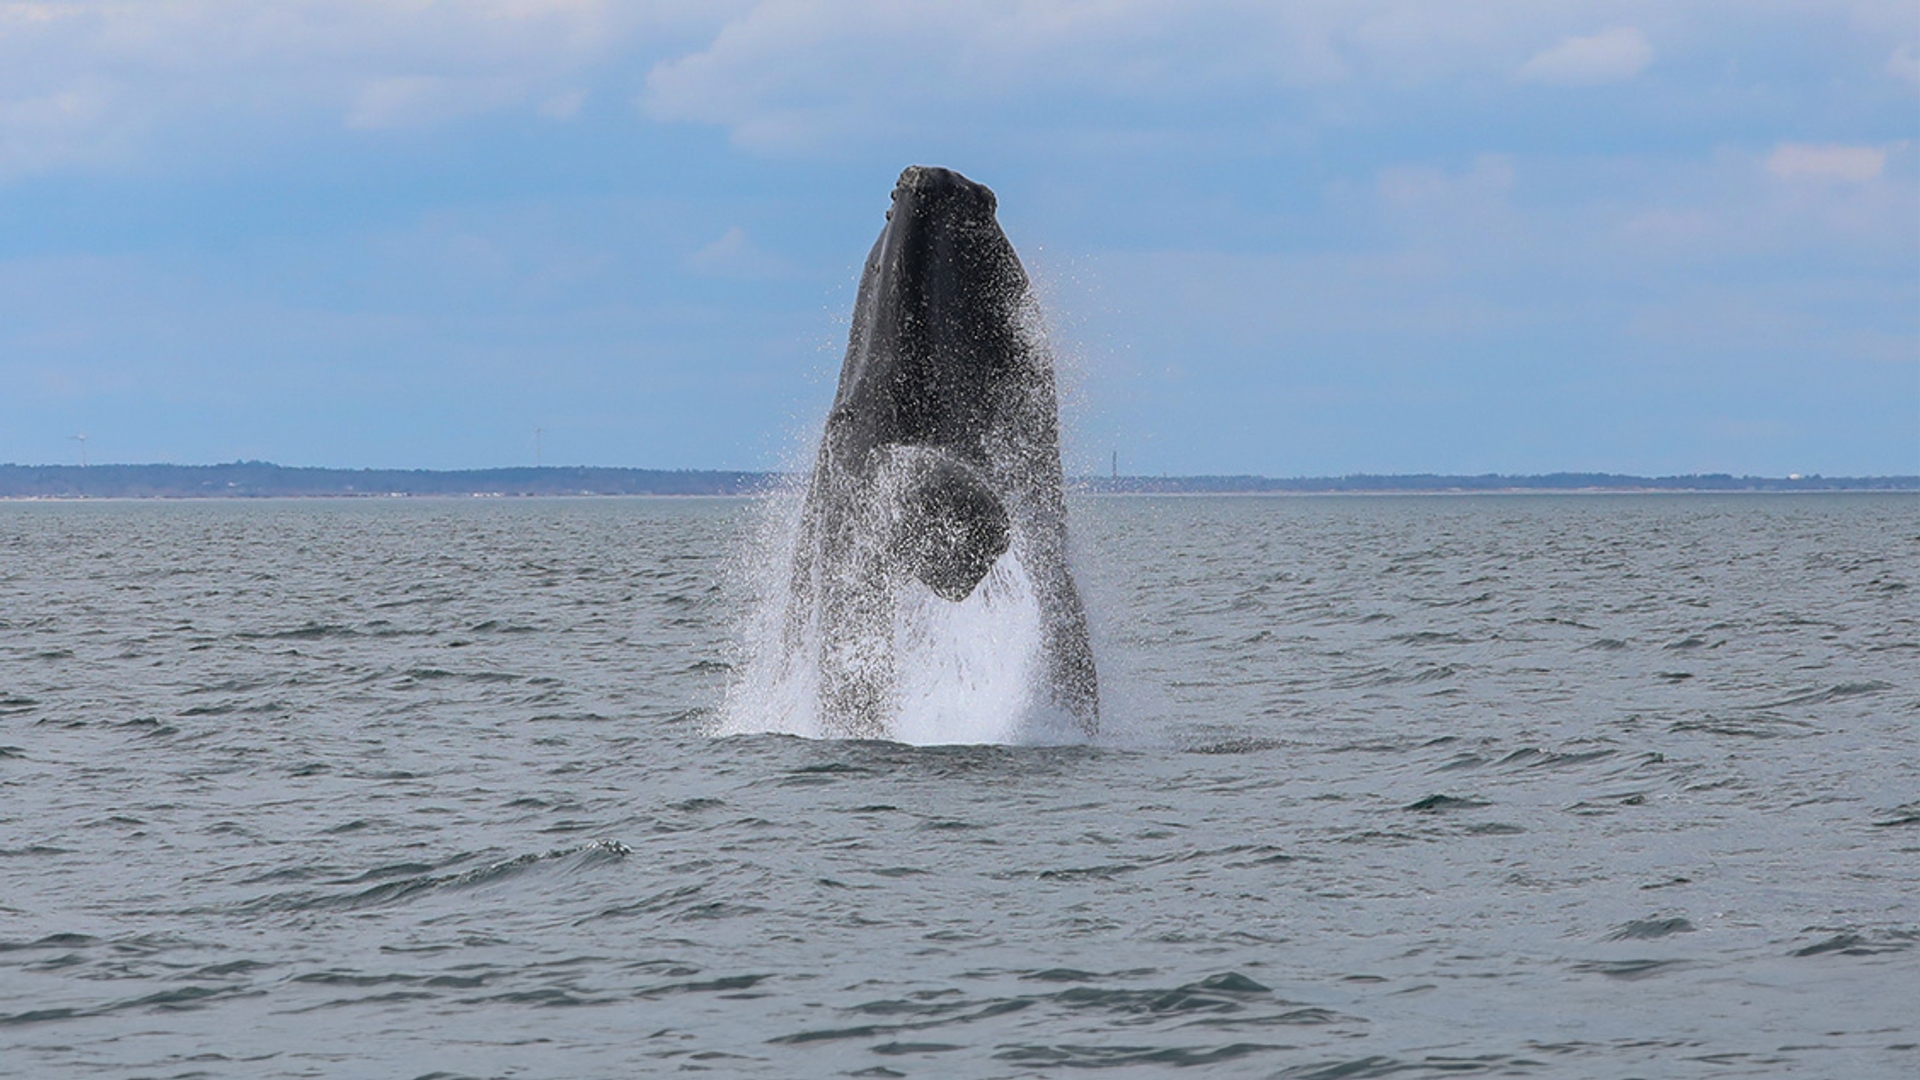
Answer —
(941, 451)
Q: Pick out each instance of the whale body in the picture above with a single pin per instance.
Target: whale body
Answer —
(940, 458)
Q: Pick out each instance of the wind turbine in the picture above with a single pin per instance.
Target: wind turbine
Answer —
(83, 448)
(537, 432)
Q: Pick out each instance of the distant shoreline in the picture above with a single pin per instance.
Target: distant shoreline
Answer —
(259, 479)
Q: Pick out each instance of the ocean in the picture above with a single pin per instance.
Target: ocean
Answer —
(1537, 786)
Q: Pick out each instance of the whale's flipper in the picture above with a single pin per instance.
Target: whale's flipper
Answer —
(948, 527)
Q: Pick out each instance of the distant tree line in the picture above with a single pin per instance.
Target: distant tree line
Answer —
(1487, 482)
(260, 479)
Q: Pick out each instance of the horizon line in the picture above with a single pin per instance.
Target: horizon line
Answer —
(1426, 474)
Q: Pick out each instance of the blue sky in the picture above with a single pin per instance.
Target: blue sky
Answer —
(1284, 238)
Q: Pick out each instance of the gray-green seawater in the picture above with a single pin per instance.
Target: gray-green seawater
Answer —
(1586, 786)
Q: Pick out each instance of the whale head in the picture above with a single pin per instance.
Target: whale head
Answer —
(937, 328)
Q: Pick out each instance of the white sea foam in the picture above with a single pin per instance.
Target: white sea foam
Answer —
(968, 672)
(965, 672)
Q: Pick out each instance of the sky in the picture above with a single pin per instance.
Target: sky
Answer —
(1293, 239)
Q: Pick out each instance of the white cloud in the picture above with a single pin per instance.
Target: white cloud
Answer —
(563, 106)
(1458, 213)
(1421, 187)
(813, 75)
(799, 73)
(793, 75)
(40, 133)
(418, 100)
(1793, 161)
(735, 256)
(1796, 206)
(1904, 64)
(1609, 56)
(84, 82)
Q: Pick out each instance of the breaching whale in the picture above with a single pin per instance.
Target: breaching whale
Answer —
(941, 454)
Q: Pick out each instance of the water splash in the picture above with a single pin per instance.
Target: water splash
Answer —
(918, 589)
(962, 672)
